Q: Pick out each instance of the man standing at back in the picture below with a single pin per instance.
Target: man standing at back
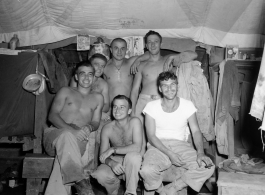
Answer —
(148, 71)
(117, 71)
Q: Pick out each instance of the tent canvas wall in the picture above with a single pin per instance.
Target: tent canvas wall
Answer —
(57, 22)
(212, 22)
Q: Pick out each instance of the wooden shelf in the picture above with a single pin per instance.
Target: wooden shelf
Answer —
(245, 60)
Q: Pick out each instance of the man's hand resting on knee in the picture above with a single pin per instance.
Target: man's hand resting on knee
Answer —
(117, 168)
(203, 159)
(82, 134)
(176, 159)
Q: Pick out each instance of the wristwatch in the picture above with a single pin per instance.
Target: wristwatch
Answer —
(90, 127)
(115, 149)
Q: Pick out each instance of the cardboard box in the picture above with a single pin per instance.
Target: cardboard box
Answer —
(231, 52)
(4, 45)
(240, 184)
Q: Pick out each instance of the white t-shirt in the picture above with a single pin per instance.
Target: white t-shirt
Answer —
(172, 125)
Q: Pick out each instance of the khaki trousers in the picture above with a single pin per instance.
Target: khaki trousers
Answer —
(107, 178)
(155, 164)
(71, 158)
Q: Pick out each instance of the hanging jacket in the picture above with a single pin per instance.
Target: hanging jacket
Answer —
(193, 86)
(228, 104)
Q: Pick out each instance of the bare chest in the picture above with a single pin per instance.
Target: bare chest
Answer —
(118, 74)
(97, 87)
(80, 105)
(121, 137)
(151, 72)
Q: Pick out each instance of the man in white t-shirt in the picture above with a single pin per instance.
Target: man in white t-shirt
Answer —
(166, 122)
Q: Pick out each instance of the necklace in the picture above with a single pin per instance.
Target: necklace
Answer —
(118, 71)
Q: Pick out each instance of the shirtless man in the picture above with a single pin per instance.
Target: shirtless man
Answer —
(121, 149)
(74, 114)
(117, 71)
(148, 71)
(99, 85)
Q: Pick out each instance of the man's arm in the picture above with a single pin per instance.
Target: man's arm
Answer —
(197, 137)
(135, 90)
(154, 141)
(104, 140)
(57, 106)
(105, 93)
(104, 146)
(177, 59)
(136, 60)
(105, 70)
(94, 124)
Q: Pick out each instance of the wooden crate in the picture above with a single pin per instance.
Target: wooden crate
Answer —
(37, 166)
(240, 184)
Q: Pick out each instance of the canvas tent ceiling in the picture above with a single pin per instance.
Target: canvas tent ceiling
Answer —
(213, 22)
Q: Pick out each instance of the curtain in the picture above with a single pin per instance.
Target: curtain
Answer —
(17, 106)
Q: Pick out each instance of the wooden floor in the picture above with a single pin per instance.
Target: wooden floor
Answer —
(98, 189)
(21, 189)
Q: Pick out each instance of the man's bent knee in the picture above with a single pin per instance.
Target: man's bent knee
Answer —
(133, 158)
(152, 179)
(147, 171)
(66, 135)
(104, 177)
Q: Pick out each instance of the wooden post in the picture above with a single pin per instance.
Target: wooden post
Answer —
(40, 118)
(34, 184)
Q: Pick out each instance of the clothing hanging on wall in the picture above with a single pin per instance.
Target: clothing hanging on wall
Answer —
(193, 86)
(258, 102)
(227, 105)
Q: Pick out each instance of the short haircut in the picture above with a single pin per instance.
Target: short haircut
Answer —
(118, 40)
(122, 97)
(86, 63)
(165, 76)
(151, 32)
(99, 56)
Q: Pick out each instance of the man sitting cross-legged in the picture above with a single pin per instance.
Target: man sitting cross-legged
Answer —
(166, 122)
(74, 114)
(123, 159)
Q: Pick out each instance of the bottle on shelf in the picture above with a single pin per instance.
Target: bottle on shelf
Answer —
(14, 42)
(240, 56)
(12, 180)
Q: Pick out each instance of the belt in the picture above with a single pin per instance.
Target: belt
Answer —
(153, 97)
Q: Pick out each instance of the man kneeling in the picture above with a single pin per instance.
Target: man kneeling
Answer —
(123, 159)
(166, 122)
